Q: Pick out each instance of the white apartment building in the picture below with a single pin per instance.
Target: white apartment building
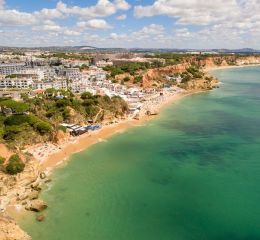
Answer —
(37, 72)
(74, 63)
(104, 63)
(8, 69)
(43, 85)
(23, 83)
(78, 87)
(97, 74)
(71, 73)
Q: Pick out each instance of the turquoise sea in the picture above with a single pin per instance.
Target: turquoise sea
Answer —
(191, 174)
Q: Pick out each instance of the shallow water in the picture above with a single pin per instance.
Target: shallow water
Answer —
(193, 173)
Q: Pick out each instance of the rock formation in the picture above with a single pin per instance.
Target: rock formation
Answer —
(9, 230)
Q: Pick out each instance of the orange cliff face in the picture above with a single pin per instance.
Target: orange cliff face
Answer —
(152, 76)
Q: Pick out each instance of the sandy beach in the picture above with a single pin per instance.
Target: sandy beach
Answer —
(77, 144)
(227, 67)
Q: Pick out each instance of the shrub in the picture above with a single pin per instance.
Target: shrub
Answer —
(86, 95)
(16, 120)
(42, 127)
(2, 131)
(2, 160)
(127, 79)
(62, 128)
(15, 165)
(17, 107)
(138, 79)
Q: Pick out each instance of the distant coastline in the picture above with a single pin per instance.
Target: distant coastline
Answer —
(209, 69)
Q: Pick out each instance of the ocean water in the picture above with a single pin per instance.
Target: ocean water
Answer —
(191, 174)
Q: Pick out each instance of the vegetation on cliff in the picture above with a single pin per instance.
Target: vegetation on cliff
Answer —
(37, 119)
(15, 165)
(131, 68)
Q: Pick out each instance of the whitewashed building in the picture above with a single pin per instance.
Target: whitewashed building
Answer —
(8, 69)
(23, 83)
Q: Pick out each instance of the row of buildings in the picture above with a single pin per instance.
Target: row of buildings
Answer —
(39, 74)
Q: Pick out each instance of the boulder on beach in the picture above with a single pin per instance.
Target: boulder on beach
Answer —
(33, 195)
(36, 205)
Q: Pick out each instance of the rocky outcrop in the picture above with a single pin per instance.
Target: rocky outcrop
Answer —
(18, 187)
(9, 230)
(40, 218)
(201, 84)
(36, 205)
(22, 189)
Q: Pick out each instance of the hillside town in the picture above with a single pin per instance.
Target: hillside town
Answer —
(35, 72)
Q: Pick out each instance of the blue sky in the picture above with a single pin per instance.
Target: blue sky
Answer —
(131, 23)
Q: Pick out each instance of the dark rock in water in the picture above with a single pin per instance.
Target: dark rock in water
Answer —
(43, 175)
(40, 218)
(36, 205)
(47, 181)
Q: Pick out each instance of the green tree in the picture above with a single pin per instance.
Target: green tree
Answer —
(86, 95)
(15, 165)
(138, 79)
(17, 107)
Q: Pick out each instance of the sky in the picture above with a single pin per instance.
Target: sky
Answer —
(197, 24)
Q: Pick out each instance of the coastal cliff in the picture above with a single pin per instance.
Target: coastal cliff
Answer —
(194, 77)
(20, 189)
(156, 76)
(9, 230)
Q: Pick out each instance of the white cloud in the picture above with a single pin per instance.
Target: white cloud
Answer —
(48, 14)
(183, 33)
(121, 17)
(122, 5)
(219, 23)
(94, 24)
(191, 11)
(52, 27)
(152, 29)
(2, 3)
(147, 35)
(14, 17)
(103, 8)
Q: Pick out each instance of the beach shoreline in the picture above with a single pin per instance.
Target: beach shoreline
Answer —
(85, 141)
(209, 69)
